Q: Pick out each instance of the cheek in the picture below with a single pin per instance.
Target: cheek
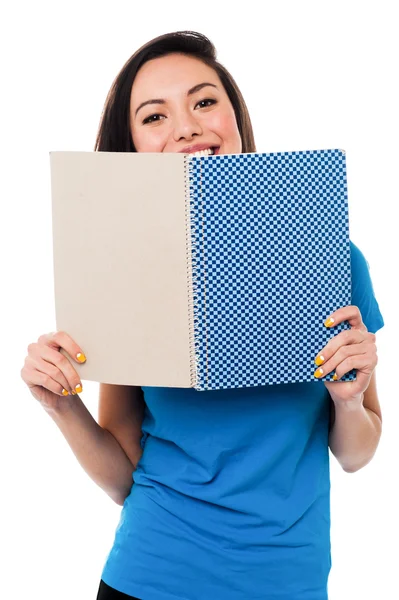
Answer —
(149, 140)
(225, 125)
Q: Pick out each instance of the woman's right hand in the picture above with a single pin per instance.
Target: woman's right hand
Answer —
(49, 375)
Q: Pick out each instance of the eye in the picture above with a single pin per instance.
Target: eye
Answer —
(152, 119)
(206, 102)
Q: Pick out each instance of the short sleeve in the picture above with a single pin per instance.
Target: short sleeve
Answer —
(362, 291)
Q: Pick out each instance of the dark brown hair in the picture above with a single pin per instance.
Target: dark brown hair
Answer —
(114, 133)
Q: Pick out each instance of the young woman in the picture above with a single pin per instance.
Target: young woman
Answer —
(231, 489)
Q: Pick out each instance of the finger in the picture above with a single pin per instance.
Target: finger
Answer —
(341, 356)
(47, 382)
(346, 313)
(60, 339)
(56, 362)
(47, 368)
(361, 363)
(349, 389)
(33, 377)
(344, 338)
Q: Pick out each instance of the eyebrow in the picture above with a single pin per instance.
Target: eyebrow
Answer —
(191, 91)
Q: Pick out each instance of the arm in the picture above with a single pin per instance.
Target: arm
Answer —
(355, 411)
(356, 430)
(108, 458)
(121, 412)
(108, 451)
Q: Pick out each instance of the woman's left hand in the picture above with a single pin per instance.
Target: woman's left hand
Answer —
(354, 348)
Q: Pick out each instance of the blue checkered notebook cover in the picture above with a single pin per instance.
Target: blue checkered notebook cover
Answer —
(270, 261)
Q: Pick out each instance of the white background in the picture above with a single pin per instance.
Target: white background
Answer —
(314, 75)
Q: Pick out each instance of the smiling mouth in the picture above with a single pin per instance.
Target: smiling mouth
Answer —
(207, 152)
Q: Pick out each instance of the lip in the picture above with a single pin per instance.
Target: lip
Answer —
(199, 147)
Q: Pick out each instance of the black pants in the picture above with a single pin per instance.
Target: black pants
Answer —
(105, 592)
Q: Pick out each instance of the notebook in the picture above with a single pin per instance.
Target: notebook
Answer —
(209, 272)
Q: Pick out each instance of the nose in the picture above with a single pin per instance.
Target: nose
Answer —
(186, 126)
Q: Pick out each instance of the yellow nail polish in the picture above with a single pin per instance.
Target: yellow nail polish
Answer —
(73, 393)
(330, 321)
(335, 377)
(318, 373)
(79, 388)
(81, 357)
(319, 360)
(65, 392)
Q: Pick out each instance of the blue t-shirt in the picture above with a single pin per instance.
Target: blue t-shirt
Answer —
(231, 499)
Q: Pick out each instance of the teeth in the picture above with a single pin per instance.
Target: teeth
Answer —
(207, 152)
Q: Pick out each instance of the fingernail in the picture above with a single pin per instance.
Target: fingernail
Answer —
(335, 377)
(319, 360)
(65, 392)
(73, 393)
(330, 321)
(78, 388)
(81, 357)
(318, 373)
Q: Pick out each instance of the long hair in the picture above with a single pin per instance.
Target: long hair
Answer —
(114, 134)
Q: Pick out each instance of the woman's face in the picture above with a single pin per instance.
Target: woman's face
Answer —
(178, 104)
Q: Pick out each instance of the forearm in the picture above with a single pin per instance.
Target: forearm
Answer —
(354, 436)
(96, 449)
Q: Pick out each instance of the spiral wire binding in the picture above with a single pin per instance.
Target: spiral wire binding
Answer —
(192, 277)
